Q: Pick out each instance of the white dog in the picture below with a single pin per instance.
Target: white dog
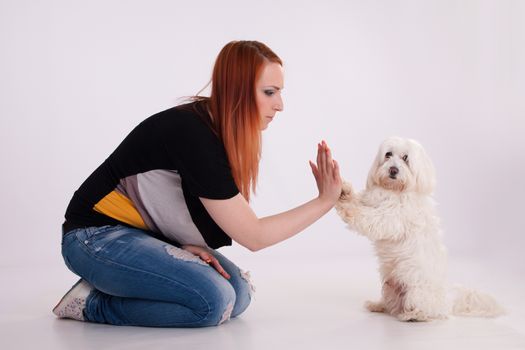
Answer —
(397, 213)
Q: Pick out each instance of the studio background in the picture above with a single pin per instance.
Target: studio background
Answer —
(77, 76)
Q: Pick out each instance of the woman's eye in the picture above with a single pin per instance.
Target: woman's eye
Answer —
(405, 157)
(388, 154)
(269, 92)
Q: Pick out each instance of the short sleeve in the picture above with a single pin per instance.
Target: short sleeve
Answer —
(199, 156)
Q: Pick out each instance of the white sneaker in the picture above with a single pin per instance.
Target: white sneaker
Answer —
(73, 302)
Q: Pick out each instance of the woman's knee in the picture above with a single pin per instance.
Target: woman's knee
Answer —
(241, 283)
(244, 290)
(221, 304)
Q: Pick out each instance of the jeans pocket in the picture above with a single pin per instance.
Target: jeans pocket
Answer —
(95, 238)
(91, 234)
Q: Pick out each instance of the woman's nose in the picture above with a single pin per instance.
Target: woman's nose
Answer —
(279, 106)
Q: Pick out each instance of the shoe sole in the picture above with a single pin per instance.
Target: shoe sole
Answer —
(66, 295)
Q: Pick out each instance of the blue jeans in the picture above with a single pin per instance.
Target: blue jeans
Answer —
(142, 281)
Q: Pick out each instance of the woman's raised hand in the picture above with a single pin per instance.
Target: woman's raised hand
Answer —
(326, 174)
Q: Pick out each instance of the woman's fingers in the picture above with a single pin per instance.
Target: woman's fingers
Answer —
(323, 158)
(315, 171)
(329, 161)
(319, 160)
(326, 159)
(327, 170)
(337, 175)
(215, 263)
(207, 257)
(211, 260)
(326, 173)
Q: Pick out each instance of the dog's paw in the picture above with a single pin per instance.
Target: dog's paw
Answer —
(375, 306)
(346, 192)
(413, 316)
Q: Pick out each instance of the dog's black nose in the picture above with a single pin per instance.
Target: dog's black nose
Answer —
(393, 171)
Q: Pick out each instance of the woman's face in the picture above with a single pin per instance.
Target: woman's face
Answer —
(268, 92)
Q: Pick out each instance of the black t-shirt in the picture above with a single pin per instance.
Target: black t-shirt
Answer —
(154, 179)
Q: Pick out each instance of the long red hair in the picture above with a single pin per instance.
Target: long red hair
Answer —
(233, 108)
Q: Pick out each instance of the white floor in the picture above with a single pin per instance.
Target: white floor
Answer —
(312, 304)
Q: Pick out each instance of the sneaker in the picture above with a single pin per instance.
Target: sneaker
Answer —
(73, 302)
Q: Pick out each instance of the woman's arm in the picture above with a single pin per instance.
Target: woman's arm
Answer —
(237, 219)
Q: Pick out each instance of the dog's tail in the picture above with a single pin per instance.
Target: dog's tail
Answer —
(469, 302)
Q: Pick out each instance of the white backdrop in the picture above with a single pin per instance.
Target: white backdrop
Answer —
(77, 76)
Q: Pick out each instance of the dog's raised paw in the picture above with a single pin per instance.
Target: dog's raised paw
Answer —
(346, 192)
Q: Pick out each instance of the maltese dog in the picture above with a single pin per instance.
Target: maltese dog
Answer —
(397, 213)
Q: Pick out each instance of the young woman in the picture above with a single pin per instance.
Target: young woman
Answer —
(142, 230)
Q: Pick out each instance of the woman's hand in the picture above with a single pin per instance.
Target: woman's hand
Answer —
(326, 174)
(207, 257)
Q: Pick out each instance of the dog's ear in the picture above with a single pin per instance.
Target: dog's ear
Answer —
(372, 179)
(423, 169)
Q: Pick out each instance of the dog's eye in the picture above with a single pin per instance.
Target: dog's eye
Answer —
(388, 154)
(405, 157)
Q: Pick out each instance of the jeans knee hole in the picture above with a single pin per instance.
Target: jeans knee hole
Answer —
(182, 254)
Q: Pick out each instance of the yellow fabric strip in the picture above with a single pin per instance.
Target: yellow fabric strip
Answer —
(121, 208)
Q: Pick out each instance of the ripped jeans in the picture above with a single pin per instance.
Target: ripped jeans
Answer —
(142, 281)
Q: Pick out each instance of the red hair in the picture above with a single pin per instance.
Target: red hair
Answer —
(233, 107)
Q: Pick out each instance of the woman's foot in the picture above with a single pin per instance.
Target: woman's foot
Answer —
(73, 302)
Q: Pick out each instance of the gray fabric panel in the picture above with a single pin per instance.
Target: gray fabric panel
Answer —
(129, 187)
(160, 194)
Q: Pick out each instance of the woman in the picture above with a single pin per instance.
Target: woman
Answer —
(142, 230)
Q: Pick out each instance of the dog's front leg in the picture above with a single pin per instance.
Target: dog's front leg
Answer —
(346, 205)
(359, 217)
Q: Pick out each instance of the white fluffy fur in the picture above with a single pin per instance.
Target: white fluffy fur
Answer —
(397, 213)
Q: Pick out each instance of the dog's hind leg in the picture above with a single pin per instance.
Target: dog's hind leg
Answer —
(378, 306)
